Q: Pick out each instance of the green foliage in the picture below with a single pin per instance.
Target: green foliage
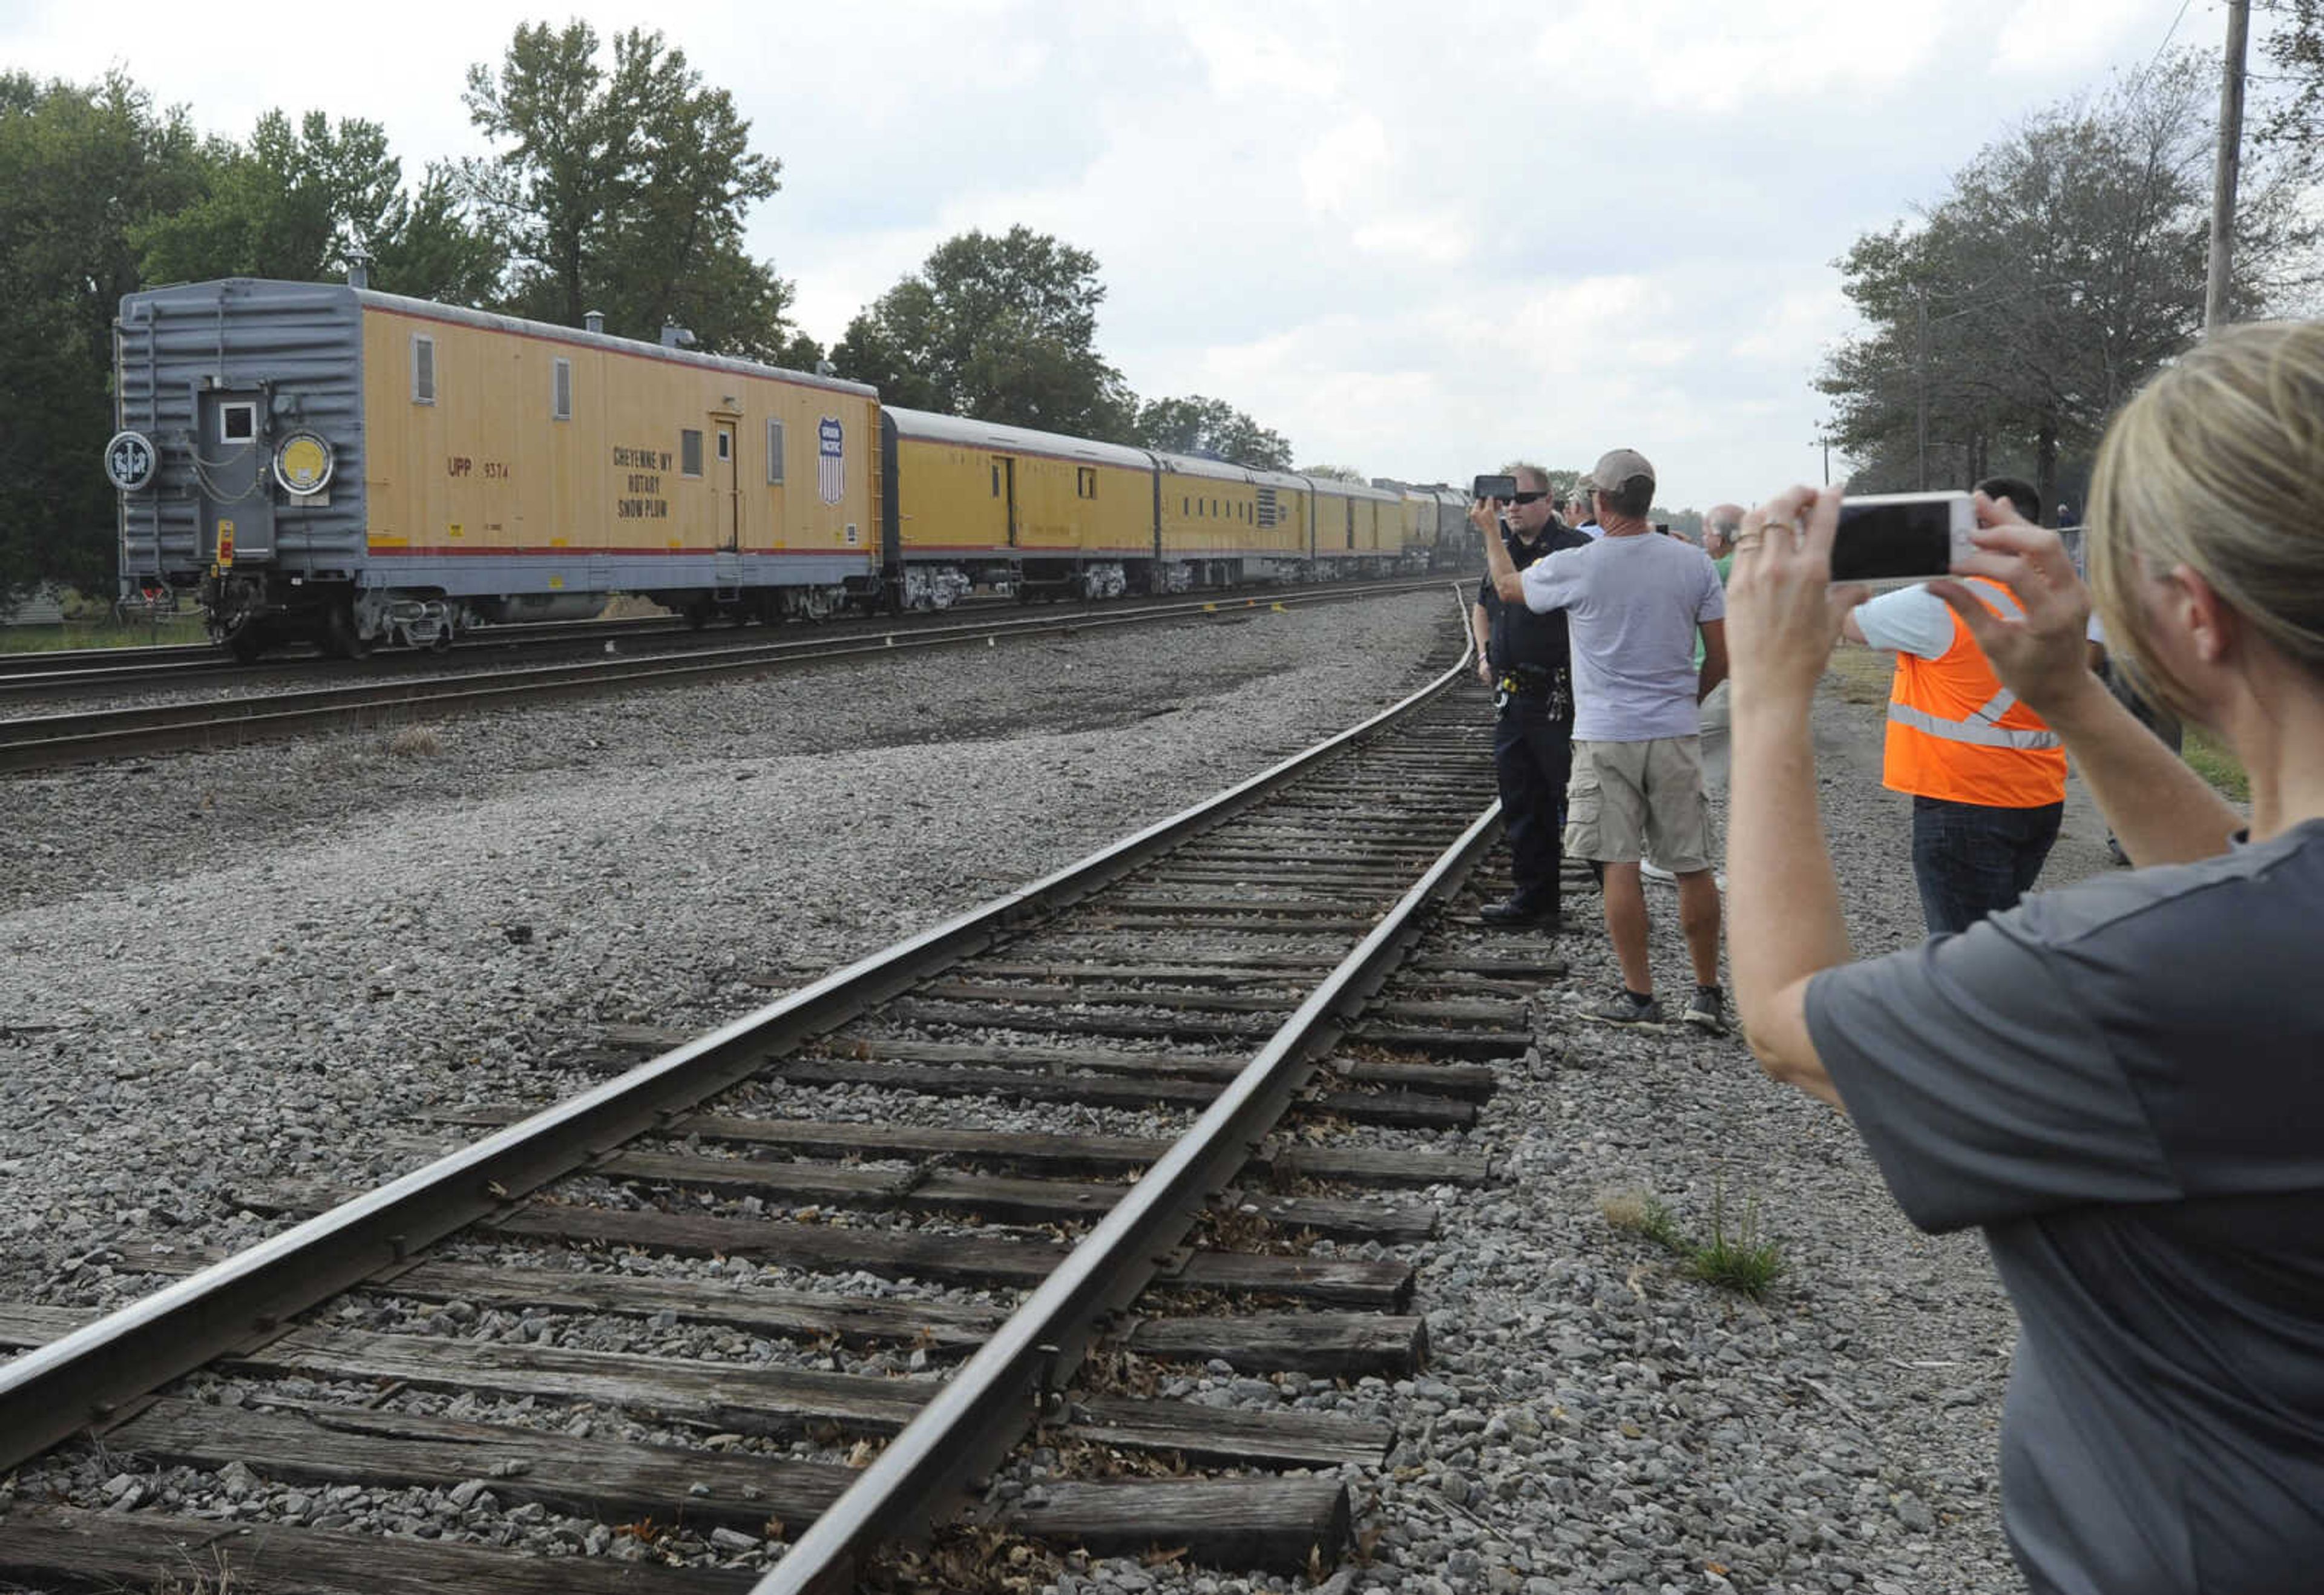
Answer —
(996, 328)
(1209, 427)
(2064, 267)
(1337, 473)
(623, 189)
(2218, 764)
(293, 204)
(2293, 125)
(82, 168)
(1740, 1261)
(428, 247)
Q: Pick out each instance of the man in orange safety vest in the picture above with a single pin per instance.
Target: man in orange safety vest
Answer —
(1987, 779)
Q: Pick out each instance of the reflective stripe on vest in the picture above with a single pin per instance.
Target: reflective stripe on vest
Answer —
(1980, 728)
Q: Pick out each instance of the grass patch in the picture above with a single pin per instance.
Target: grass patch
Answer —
(177, 631)
(1863, 675)
(1741, 1261)
(2217, 766)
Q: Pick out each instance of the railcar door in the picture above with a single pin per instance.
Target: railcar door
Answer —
(230, 474)
(1004, 488)
(730, 492)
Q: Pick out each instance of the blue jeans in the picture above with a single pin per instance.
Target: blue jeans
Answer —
(1970, 860)
(1533, 757)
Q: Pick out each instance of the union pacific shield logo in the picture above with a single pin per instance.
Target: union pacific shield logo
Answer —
(830, 461)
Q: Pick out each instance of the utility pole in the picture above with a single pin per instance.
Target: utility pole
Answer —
(1921, 386)
(2223, 167)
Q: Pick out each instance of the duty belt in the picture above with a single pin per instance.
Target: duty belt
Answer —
(1535, 682)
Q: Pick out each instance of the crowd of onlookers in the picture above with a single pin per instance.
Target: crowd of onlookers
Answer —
(2119, 1080)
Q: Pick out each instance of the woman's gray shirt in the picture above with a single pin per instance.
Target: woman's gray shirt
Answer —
(2122, 1083)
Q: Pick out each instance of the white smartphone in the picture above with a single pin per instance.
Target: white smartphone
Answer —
(1902, 534)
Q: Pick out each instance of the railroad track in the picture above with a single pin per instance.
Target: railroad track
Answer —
(80, 673)
(1257, 1039)
(83, 671)
(33, 741)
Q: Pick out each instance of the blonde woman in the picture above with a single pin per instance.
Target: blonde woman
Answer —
(2121, 1082)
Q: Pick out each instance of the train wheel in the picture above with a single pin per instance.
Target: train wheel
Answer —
(343, 636)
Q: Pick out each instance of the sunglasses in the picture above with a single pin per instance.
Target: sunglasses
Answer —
(1528, 498)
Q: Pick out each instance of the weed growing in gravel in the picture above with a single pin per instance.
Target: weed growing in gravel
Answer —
(1740, 1262)
(1634, 1212)
(416, 741)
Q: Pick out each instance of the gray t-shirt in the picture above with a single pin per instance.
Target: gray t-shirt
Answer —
(1632, 605)
(2123, 1083)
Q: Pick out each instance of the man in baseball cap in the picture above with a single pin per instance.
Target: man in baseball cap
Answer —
(1633, 605)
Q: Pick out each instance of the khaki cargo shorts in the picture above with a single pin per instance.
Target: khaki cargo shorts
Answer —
(1626, 798)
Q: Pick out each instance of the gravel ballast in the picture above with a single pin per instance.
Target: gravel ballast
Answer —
(234, 968)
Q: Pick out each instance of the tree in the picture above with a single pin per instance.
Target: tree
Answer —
(301, 204)
(1337, 473)
(996, 327)
(2293, 126)
(295, 203)
(2064, 267)
(1209, 427)
(82, 170)
(624, 190)
(428, 247)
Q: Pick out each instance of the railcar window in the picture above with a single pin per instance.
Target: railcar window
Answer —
(237, 423)
(774, 452)
(726, 446)
(996, 480)
(561, 390)
(689, 452)
(423, 369)
(1086, 483)
(1186, 505)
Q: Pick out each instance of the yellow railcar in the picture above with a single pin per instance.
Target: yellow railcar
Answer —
(1358, 527)
(331, 464)
(1012, 509)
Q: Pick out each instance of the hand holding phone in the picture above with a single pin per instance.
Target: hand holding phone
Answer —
(1902, 534)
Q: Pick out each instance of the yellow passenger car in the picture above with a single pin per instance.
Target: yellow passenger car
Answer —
(975, 504)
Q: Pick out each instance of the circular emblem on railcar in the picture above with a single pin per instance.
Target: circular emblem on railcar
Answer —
(302, 464)
(130, 460)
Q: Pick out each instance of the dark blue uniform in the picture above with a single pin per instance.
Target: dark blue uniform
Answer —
(1533, 743)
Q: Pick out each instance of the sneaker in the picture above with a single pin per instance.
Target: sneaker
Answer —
(1621, 1009)
(1512, 915)
(1707, 1010)
(1654, 872)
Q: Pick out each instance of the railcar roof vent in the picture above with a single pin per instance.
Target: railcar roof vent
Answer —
(674, 336)
(594, 320)
(358, 269)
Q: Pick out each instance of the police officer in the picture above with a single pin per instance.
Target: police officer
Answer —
(1522, 656)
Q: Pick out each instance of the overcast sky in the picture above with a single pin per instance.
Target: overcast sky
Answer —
(1418, 239)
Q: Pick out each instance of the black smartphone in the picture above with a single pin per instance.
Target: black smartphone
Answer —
(1504, 488)
(1902, 534)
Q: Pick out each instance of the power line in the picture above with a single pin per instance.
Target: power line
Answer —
(2140, 81)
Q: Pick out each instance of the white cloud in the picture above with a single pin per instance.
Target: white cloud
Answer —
(1418, 240)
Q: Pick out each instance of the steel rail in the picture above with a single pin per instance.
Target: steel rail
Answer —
(981, 1413)
(83, 1379)
(40, 742)
(59, 669)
